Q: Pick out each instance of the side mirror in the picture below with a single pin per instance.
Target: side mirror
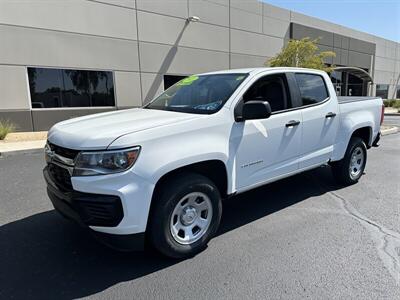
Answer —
(256, 110)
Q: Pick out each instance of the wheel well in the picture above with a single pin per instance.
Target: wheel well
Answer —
(212, 169)
(364, 133)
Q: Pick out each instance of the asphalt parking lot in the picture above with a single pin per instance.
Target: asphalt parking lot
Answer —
(302, 237)
(392, 120)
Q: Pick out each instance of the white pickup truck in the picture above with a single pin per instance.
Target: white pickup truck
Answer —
(156, 175)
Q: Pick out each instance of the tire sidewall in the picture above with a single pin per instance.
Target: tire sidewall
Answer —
(165, 242)
(355, 142)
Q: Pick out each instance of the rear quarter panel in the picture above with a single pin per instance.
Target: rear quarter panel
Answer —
(353, 116)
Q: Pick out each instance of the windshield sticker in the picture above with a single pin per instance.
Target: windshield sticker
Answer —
(208, 106)
(188, 80)
(240, 77)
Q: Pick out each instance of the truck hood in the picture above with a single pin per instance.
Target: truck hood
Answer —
(98, 131)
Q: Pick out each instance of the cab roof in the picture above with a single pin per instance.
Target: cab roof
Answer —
(257, 70)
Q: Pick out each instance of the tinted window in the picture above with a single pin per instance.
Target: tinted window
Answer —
(46, 87)
(312, 88)
(70, 88)
(272, 88)
(198, 94)
(382, 90)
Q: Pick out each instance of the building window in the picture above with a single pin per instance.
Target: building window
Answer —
(170, 80)
(337, 80)
(312, 88)
(382, 90)
(70, 88)
(398, 92)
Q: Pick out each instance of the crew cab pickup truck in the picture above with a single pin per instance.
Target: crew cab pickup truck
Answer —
(156, 175)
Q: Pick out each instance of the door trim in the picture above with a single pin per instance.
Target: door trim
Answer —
(279, 177)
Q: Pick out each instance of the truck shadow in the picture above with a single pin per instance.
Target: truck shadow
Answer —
(46, 257)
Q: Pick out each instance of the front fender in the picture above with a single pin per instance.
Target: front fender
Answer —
(180, 163)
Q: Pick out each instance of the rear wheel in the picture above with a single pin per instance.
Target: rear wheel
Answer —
(185, 215)
(351, 167)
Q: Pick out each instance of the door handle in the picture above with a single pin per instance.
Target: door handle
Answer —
(292, 123)
(330, 115)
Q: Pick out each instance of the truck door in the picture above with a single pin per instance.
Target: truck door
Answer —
(267, 148)
(320, 119)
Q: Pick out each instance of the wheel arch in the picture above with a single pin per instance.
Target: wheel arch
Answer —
(213, 169)
(365, 133)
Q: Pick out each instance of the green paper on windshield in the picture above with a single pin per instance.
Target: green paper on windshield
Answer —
(188, 80)
(239, 77)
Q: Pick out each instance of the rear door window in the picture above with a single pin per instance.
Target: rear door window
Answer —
(312, 88)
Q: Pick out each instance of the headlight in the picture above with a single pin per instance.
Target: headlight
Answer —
(105, 162)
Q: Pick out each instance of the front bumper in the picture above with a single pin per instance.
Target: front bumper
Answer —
(94, 211)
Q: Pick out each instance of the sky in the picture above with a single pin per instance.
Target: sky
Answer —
(377, 17)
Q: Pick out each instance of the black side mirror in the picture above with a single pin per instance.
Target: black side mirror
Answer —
(256, 110)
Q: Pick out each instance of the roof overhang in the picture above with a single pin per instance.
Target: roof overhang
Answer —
(356, 72)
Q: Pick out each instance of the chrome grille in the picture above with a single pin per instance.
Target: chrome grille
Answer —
(60, 176)
(64, 152)
(60, 162)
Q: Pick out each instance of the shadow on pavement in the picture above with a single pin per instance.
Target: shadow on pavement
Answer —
(46, 257)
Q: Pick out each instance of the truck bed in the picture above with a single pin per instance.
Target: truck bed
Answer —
(364, 111)
(346, 99)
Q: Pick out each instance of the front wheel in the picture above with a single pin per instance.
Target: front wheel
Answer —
(185, 215)
(351, 167)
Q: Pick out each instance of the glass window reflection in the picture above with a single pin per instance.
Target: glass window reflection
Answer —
(70, 88)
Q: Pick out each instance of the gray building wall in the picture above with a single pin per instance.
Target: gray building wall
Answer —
(142, 40)
(349, 51)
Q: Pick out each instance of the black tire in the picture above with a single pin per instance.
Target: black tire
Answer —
(341, 169)
(167, 198)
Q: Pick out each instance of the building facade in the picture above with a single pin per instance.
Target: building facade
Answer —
(62, 59)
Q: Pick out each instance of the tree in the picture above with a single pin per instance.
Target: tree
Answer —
(302, 53)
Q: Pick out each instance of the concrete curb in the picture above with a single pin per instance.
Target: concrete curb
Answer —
(391, 130)
(25, 151)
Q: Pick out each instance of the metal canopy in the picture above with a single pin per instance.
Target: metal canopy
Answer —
(356, 72)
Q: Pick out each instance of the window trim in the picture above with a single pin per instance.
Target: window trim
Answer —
(299, 91)
(289, 94)
(115, 106)
(294, 91)
(302, 107)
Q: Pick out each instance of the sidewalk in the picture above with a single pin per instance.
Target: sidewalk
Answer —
(390, 111)
(23, 141)
(385, 130)
(8, 147)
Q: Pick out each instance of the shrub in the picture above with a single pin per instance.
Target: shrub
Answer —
(387, 102)
(392, 103)
(5, 128)
(396, 104)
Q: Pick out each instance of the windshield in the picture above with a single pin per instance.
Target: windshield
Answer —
(203, 94)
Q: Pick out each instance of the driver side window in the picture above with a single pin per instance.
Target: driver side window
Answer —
(271, 88)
